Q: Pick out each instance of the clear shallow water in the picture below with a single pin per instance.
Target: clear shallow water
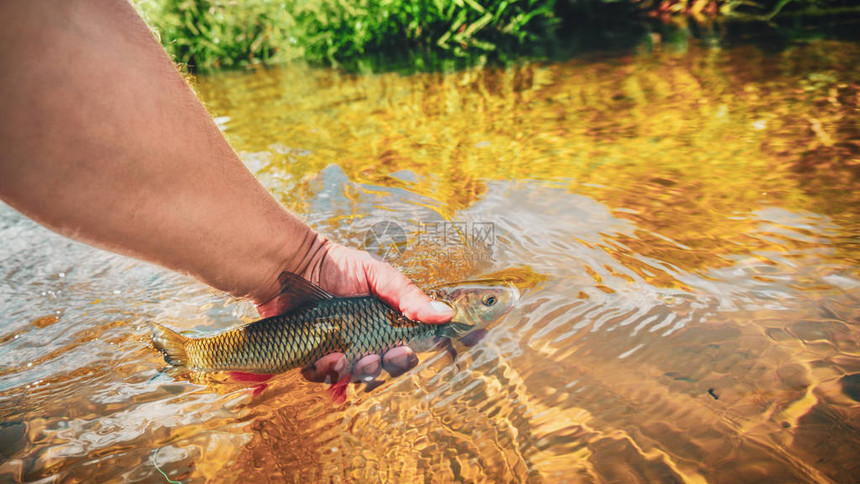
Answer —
(684, 225)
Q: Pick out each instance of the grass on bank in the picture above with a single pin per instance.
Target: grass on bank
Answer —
(211, 34)
(207, 34)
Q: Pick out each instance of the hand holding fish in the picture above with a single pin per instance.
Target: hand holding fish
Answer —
(315, 324)
(348, 272)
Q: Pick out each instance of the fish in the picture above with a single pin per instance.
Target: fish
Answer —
(318, 324)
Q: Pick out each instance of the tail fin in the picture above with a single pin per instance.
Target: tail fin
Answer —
(170, 343)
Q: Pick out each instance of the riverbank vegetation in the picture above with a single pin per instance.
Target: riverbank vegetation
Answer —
(209, 34)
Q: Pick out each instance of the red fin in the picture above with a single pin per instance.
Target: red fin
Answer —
(338, 390)
(244, 376)
(258, 389)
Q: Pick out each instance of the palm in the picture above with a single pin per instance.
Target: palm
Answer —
(344, 272)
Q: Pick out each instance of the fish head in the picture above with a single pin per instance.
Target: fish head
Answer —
(477, 302)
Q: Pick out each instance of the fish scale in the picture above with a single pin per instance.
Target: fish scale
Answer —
(354, 326)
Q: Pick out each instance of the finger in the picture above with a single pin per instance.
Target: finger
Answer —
(367, 368)
(328, 369)
(399, 360)
(398, 291)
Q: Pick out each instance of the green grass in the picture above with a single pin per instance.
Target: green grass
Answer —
(421, 34)
(208, 34)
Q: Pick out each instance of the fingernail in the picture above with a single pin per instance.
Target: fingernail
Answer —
(338, 367)
(442, 308)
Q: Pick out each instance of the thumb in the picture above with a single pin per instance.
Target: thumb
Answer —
(398, 291)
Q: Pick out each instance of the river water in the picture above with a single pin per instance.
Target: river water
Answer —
(684, 224)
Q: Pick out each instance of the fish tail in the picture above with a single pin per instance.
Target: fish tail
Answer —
(171, 344)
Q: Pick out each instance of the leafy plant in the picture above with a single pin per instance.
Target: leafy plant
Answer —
(205, 34)
(362, 34)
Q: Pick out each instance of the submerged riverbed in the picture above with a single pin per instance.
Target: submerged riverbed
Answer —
(684, 225)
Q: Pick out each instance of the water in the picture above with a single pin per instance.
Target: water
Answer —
(683, 222)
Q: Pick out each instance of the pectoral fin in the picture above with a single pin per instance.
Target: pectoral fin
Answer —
(474, 337)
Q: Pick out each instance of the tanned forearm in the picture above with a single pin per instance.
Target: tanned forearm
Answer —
(102, 140)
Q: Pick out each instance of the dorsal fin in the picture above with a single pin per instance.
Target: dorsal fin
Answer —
(297, 292)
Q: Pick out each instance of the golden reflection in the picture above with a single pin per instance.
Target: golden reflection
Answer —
(685, 146)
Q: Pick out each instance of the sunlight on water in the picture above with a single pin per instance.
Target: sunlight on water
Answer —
(685, 227)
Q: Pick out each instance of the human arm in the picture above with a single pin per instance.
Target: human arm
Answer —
(103, 141)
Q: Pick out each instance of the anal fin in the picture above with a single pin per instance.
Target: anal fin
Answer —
(337, 390)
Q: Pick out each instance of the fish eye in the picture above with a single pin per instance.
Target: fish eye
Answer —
(489, 300)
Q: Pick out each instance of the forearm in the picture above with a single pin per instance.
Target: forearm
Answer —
(104, 141)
